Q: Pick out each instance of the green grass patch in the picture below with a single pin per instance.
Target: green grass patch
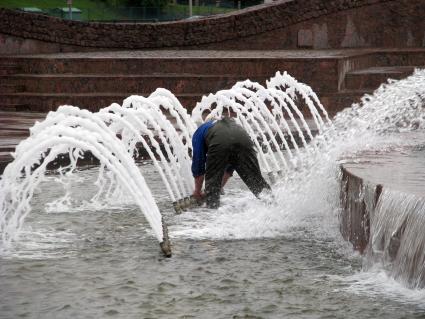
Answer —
(48, 4)
(93, 10)
(198, 10)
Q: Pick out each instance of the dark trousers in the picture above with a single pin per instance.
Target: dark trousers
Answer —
(229, 144)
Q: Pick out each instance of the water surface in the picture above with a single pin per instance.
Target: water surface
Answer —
(78, 261)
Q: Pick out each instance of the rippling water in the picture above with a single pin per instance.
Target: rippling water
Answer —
(81, 261)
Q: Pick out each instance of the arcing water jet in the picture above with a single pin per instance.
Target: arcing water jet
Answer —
(161, 125)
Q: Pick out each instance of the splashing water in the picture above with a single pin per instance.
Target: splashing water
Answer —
(305, 167)
(307, 197)
(159, 125)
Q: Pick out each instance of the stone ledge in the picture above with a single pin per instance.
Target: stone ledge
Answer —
(354, 218)
(382, 215)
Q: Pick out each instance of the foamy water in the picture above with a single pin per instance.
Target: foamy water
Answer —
(239, 260)
(376, 283)
(266, 258)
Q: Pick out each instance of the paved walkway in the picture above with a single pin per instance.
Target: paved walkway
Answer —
(205, 54)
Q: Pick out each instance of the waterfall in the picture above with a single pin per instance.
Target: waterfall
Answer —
(392, 121)
(397, 236)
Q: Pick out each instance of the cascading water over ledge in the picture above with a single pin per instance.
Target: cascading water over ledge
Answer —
(384, 213)
(382, 185)
(161, 126)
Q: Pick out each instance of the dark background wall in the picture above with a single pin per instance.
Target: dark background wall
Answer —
(282, 24)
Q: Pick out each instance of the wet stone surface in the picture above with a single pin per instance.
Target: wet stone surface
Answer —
(403, 171)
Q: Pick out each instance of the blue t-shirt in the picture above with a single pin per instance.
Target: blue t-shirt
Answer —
(199, 149)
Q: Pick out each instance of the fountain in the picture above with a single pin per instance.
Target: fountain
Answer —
(113, 135)
(293, 242)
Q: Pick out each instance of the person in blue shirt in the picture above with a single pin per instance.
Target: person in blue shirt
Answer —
(219, 148)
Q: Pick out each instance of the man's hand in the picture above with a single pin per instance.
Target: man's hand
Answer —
(198, 195)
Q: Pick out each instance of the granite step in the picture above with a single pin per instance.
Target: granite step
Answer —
(9, 68)
(335, 102)
(11, 86)
(96, 79)
(123, 83)
(6, 105)
(320, 72)
(401, 57)
(44, 102)
(372, 78)
(178, 65)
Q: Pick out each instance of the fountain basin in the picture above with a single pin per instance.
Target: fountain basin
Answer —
(383, 200)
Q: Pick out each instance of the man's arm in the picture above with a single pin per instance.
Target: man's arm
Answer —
(199, 156)
(199, 181)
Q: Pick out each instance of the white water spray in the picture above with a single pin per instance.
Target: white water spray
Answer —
(275, 119)
(160, 126)
(308, 196)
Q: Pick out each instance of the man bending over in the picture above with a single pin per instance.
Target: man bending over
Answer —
(219, 148)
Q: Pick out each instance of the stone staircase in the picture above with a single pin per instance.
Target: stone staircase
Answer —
(7, 87)
(373, 77)
(95, 80)
(364, 73)
(359, 82)
(14, 127)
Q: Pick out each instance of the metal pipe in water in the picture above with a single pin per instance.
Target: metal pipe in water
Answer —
(165, 244)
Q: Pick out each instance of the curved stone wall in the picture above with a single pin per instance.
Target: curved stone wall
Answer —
(282, 24)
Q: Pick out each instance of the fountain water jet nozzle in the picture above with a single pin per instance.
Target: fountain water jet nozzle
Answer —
(165, 244)
(185, 203)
